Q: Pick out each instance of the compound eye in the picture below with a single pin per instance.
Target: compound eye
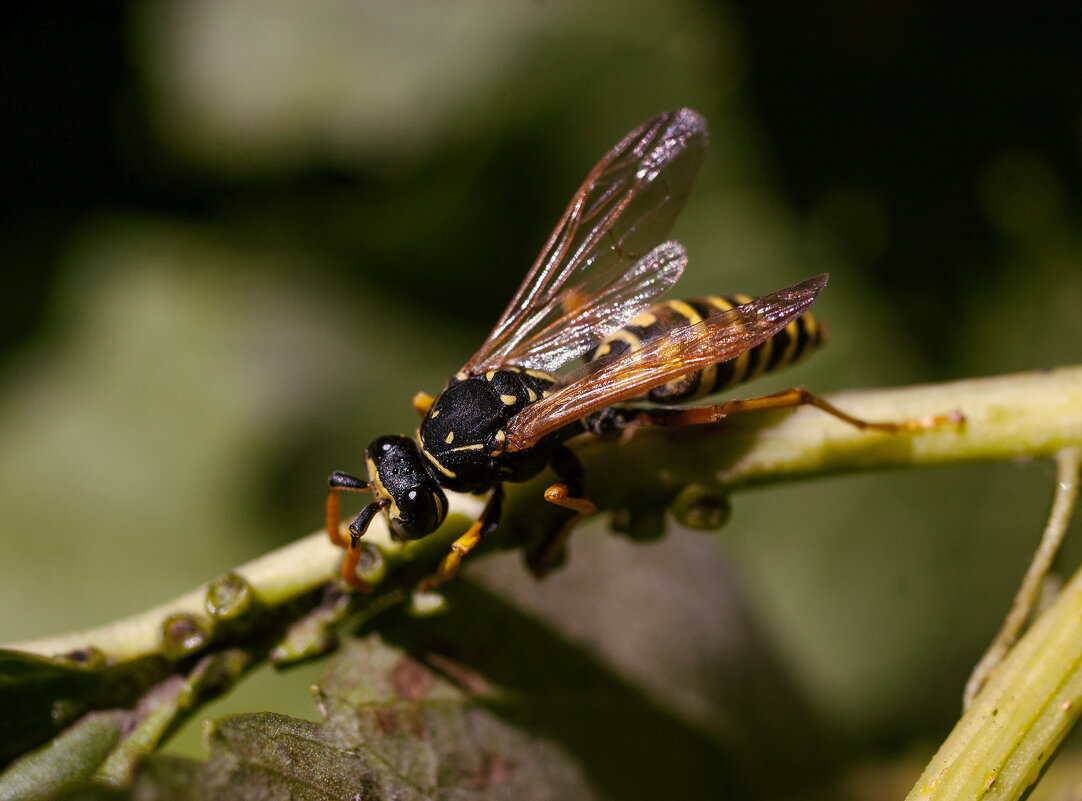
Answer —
(421, 510)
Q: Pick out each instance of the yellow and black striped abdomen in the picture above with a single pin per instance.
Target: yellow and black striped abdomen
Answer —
(785, 347)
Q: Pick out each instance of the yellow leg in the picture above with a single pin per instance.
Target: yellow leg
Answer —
(422, 402)
(449, 566)
(333, 519)
(467, 542)
(542, 561)
(343, 482)
(788, 399)
(559, 495)
(349, 570)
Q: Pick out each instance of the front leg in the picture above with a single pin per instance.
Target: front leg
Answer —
(484, 525)
(343, 482)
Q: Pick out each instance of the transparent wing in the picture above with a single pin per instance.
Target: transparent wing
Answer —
(587, 319)
(606, 382)
(603, 248)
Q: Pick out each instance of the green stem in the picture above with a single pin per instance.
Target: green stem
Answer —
(1012, 728)
(1025, 415)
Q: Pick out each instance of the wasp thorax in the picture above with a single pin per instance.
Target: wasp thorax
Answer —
(464, 432)
(414, 502)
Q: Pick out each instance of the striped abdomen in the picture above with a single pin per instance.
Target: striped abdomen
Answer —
(785, 347)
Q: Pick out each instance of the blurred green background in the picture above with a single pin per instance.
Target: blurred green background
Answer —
(238, 236)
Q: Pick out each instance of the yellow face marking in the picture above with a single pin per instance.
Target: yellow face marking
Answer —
(450, 437)
(509, 400)
(380, 491)
(439, 505)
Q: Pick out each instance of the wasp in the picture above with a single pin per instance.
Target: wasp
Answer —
(506, 415)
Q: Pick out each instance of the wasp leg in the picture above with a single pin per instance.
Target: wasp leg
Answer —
(353, 552)
(490, 516)
(787, 399)
(422, 402)
(569, 493)
(343, 482)
(339, 482)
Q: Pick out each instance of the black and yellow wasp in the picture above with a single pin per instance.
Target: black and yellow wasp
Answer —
(505, 416)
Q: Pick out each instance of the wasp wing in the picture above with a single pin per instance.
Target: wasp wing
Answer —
(602, 248)
(590, 318)
(608, 381)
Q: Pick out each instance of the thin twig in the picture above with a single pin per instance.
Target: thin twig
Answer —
(1068, 464)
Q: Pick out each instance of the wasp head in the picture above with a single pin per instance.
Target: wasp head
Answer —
(404, 486)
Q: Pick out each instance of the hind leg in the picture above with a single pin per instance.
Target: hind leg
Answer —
(787, 399)
(569, 493)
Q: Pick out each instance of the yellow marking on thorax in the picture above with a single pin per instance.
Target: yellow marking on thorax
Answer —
(474, 447)
(450, 437)
(509, 400)
(436, 463)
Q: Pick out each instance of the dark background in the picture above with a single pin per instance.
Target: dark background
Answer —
(226, 269)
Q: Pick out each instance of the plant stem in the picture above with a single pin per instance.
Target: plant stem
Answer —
(1027, 415)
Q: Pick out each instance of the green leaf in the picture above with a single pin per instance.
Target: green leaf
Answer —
(393, 728)
(481, 702)
(42, 695)
(69, 759)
